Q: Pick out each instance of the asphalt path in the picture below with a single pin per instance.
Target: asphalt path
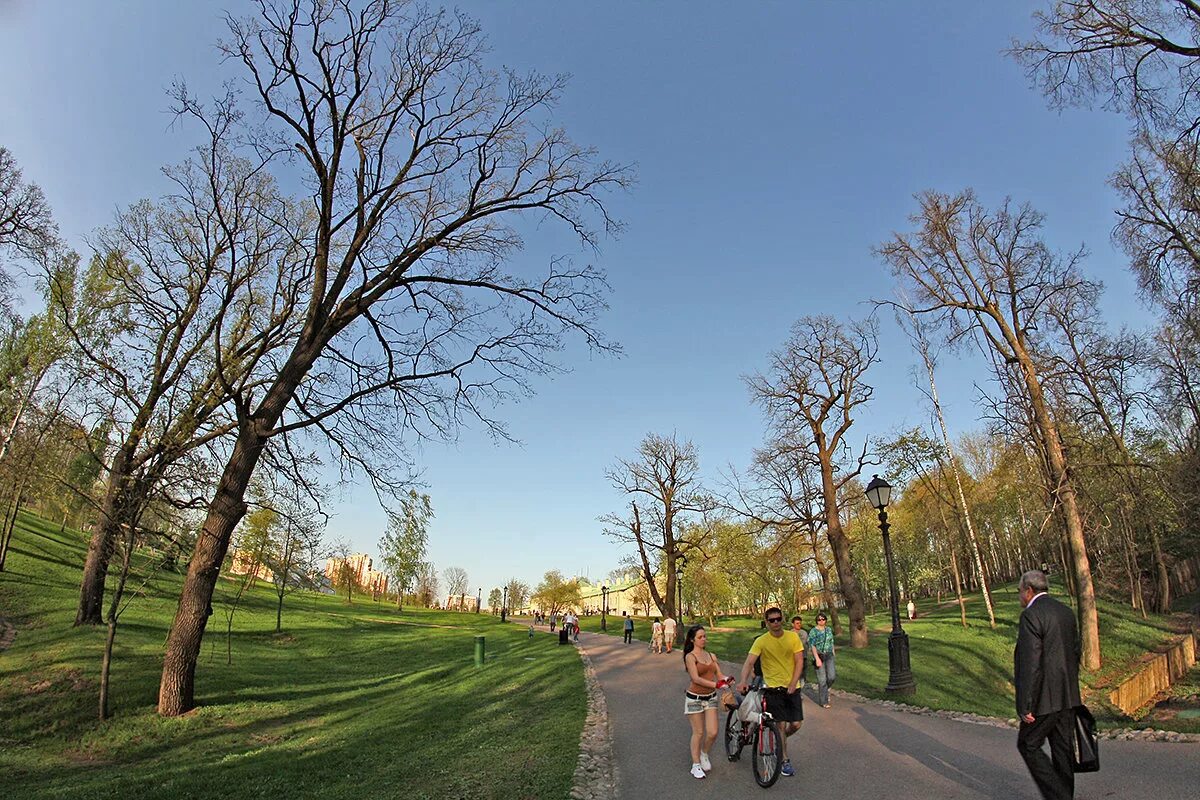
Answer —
(853, 750)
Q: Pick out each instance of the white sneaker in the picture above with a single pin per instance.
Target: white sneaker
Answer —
(697, 771)
(705, 764)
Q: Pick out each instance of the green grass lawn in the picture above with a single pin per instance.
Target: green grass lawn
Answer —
(958, 669)
(351, 701)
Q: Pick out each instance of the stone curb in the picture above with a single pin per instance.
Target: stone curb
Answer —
(595, 773)
(1122, 734)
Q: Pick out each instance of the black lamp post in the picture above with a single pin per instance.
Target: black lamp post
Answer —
(900, 677)
(603, 608)
(504, 606)
(478, 599)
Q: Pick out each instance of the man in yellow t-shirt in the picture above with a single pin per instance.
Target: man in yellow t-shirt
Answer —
(780, 653)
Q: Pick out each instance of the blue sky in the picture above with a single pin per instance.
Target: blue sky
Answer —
(776, 143)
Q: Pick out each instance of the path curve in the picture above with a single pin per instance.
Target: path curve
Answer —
(857, 749)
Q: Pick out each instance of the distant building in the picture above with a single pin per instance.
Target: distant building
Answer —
(362, 568)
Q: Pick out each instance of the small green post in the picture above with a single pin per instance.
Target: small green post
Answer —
(479, 651)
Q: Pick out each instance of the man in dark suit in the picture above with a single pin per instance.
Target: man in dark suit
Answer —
(1046, 669)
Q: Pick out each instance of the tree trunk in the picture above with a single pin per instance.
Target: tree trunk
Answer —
(962, 605)
(1063, 487)
(176, 692)
(10, 525)
(840, 544)
(119, 499)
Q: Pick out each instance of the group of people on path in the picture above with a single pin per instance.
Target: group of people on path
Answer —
(780, 655)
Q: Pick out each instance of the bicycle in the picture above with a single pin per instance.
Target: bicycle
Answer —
(760, 730)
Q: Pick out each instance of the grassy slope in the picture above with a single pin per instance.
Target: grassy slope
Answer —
(352, 701)
(959, 669)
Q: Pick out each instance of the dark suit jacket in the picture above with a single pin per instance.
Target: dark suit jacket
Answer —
(1046, 661)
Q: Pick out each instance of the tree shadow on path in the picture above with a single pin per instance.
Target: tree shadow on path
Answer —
(979, 775)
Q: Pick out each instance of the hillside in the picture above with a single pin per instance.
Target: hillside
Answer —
(349, 701)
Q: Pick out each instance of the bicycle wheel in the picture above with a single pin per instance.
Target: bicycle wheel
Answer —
(733, 735)
(767, 761)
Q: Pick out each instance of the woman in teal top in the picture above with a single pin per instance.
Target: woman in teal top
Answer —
(820, 642)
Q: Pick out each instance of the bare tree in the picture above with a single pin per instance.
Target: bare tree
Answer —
(917, 335)
(664, 476)
(177, 321)
(427, 585)
(1141, 57)
(987, 273)
(27, 227)
(810, 395)
(416, 155)
(518, 593)
(457, 582)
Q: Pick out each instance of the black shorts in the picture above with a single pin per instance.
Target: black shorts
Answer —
(785, 707)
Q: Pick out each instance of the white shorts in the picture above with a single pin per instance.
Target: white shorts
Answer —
(698, 704)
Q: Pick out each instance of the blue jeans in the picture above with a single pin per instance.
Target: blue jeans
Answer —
(826, 675)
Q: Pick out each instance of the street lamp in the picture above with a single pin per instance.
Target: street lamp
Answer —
(478, 599)
(680, 563)
(504, 606)
(900, 677)
(603, 608)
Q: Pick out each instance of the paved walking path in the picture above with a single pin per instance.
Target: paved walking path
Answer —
(853, 750)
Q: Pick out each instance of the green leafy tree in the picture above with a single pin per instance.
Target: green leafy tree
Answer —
(402, 547)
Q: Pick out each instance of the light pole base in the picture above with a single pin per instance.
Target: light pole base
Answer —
(900, 677)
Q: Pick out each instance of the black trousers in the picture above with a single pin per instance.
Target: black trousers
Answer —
(628, 637)
(1054, 777)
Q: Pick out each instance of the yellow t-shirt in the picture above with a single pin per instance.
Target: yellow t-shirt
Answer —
(776, 655)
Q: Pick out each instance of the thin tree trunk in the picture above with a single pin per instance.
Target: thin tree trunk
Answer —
(114, 611)
(960, 495)
(10, 525)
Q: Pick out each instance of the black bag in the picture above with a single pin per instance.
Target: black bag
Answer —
(1086, 757)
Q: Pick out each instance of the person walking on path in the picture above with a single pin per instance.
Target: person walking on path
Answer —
(798, 629)
(656, 636)
(781, 656)
(912, 609)
(628, 627)
(1046, 675)
(820, 641)
(669, 632)
(700, 702)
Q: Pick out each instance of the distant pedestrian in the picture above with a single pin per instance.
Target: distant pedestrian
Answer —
(656, 636)
(1046, 676)
(628, 627)
(700, 700)
(669, 632)
(573, 621)
(798, 629)
(530, 631)
(553, 618)
(820, 644)
(912, 609)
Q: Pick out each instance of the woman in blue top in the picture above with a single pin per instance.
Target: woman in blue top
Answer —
(820, 642)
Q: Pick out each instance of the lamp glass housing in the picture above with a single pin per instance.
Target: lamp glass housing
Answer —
(879, 492)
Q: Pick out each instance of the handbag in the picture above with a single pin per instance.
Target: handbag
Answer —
(1086, 755)
(728, 699)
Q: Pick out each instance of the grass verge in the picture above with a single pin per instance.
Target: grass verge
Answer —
(350, 701)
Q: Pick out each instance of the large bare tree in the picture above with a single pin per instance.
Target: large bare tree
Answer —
(665, 478)
(985, 273)
(418, 160)
(182, 311)
(815, 385)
